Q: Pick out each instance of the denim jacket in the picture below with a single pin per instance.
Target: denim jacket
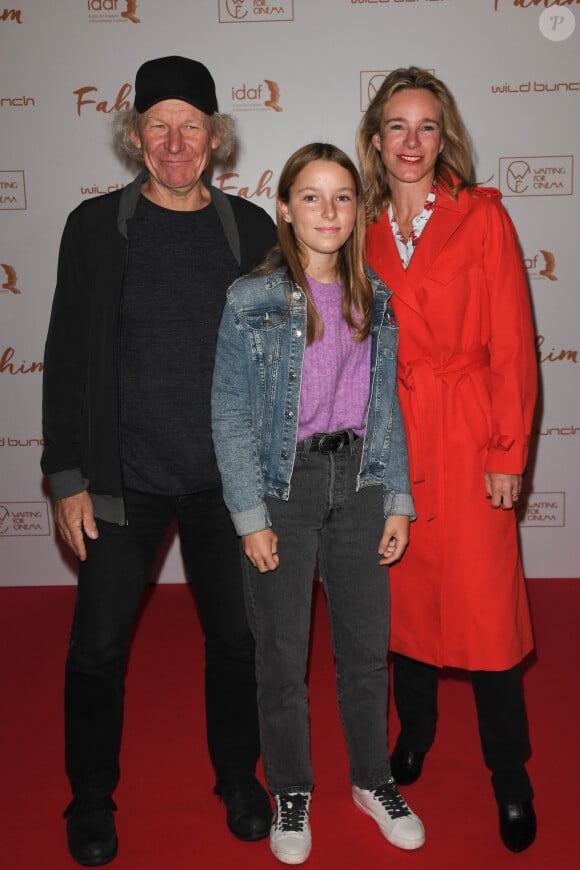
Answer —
(256, 399)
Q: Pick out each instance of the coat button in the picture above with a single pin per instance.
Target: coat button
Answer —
(289, 415)
(292, 376)
(296, 295)
(284, 454)
(297, 333)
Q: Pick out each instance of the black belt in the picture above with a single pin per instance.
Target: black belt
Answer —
(330, 442)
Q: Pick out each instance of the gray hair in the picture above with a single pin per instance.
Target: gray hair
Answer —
(126, 124)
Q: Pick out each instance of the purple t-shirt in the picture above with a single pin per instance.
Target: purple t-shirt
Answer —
(336, 373)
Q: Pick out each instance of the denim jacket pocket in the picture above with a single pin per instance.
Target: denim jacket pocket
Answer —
(266, 330)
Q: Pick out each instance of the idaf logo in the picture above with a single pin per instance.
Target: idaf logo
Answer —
(264, 96)
(113, 10)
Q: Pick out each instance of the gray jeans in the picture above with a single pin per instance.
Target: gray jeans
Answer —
(325, 520)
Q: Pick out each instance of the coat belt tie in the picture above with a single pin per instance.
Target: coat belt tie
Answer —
(420, 378)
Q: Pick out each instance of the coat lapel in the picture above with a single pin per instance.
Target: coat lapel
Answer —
(446, 218)
(383, 255)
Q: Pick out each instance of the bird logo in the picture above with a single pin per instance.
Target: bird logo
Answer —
(130, 11)
(274, 100)
(550, 264)
(11, 278)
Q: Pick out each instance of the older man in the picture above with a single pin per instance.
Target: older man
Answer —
(129, 356)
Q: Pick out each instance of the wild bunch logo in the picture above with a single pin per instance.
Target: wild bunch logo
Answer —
(536, 176)
(7, 441)
(10, 279)
(11, 15)
(113, 11)
(24, 518)
(260, 97)
(16, 102)
(95, 190)
(535, 87)
(382, 2)
(542, 509)
(557, 431)
(529, 4)
(252, 11)
(12, 189)
(542, 266)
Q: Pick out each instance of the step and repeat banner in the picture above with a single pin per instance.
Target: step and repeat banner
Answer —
(290, 72)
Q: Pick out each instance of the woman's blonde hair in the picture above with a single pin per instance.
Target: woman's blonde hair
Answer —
(455, 158)
(357, 291)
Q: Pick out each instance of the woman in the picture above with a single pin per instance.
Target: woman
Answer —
(467, 386)
(311, 448)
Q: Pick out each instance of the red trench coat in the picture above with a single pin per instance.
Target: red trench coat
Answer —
(467, 386)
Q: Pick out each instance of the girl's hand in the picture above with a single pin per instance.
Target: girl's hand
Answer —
(394, 540)
(261, 548)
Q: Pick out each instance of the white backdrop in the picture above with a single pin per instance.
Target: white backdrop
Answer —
(291, 71)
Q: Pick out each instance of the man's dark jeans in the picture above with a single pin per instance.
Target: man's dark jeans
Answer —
(110, 588)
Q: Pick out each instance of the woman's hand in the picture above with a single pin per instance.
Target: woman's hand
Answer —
(394, 540)
(503, 489)
(261, 548)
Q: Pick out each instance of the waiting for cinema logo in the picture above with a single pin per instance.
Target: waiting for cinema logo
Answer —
(254, 11)
(12, 189)
(551, 175)
(24, 518)
(107, 11)
(542, 509)
(370, 81)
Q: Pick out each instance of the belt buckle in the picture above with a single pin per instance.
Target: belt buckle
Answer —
(331, 442)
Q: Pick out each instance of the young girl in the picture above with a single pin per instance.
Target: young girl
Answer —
(311, 448)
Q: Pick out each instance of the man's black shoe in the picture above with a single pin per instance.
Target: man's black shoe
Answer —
(406, 765)
(90, 828)
(248, 808)
(517, 825)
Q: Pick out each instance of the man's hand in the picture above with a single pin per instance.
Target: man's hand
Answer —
(261, 548)
(394, 540)
(503, 489)
(73, 515)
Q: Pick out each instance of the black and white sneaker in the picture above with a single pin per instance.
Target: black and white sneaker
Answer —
(290, 837)
(390, 811)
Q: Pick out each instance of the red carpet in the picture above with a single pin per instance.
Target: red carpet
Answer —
(169, 819)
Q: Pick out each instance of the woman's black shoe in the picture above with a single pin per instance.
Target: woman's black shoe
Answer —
(90, 828)
(517, 825)
(406, 765)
